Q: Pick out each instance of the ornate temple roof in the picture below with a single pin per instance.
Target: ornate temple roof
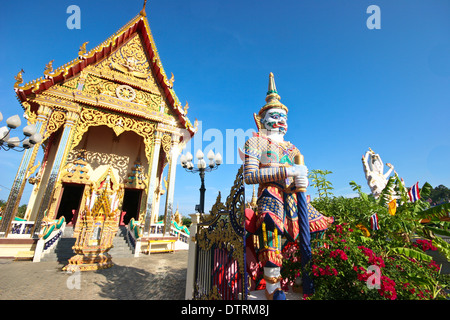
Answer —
(139, 24)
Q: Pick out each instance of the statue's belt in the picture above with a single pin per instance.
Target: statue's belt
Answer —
(281, 189)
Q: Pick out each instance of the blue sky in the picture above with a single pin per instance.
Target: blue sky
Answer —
(347, 87)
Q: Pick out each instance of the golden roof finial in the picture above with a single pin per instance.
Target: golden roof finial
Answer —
(142, 13)
(171, 80)
(83, 49)
(49, 67)
(18, 78)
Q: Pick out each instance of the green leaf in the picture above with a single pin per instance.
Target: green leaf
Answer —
(355, 186)
(443, 246)
(411, 253)
(439, 231)
(426, 190)
(386, 192)
(440, 211)
(402, 189)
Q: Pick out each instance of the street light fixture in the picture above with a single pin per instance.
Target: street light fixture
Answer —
(215, 160)
(31, 136)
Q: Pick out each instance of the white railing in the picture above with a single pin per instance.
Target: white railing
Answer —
(49, 236)
(156, 230)
(21, 229)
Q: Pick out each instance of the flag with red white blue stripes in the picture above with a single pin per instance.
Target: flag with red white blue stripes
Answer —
(374, 222)
(414, 193)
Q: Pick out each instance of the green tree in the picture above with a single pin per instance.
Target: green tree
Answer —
(320, 182)
(21, 211)
(440, 194)
(186, 222)
(399, 248)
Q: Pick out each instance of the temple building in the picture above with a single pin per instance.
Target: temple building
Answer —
(111, 112)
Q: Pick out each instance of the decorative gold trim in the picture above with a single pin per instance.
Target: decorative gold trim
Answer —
(56, 120)
(223, 235)
(142, 30)
(119, 123)
(29, 115)
(18, 78)
(166, 143)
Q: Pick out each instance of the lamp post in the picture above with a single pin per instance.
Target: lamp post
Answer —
(215, 160)
(7, 143)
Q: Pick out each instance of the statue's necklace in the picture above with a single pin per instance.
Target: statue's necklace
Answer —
(289, 147)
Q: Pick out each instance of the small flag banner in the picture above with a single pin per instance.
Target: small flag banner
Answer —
(392, 207)
(374, 222)
(413, 193)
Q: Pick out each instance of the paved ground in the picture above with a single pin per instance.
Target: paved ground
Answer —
(159, 276)
(150, 277)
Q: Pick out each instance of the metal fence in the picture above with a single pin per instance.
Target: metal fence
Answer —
(220, 248)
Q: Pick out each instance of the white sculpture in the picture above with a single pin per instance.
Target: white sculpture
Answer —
(373, 169)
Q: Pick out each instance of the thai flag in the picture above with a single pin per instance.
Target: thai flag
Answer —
(413, 193)
(374, 222)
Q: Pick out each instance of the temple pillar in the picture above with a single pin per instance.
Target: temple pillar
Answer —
(158, 194)
(61, 154)
(168, 211)
(153, 182)
(21, 178)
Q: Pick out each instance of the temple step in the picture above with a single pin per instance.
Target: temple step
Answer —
(63, 251)
(120, 247)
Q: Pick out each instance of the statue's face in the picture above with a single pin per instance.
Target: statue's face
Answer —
(377, 164)
(275, 120)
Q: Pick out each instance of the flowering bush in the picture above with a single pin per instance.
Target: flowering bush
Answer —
(354, 261)
(347, 270)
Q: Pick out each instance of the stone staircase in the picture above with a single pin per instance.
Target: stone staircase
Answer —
(63, 251)
(120, 248)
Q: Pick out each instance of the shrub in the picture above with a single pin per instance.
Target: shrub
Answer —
(355, 262)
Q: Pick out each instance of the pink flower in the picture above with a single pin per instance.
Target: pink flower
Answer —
(426, 245)
(340, 253)
(387, 288)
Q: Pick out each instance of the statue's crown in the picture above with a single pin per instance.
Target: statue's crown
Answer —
(272, 97)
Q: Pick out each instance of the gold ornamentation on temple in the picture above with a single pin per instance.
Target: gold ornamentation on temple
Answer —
(18, 78)
(49, 67)
(125, 92)
(56, 120)
(137, 178)
(92, 117)
(99, 226)
(77, 171)
(82, 50)
(121, 85)
(226, 218)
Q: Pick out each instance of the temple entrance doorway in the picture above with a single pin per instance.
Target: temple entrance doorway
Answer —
(131, 205)
(69, 206)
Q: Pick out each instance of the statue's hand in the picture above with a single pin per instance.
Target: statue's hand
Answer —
(389, 165)
(297, 170)
(301, 181)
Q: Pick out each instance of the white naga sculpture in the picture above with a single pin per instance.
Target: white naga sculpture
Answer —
(373, 169)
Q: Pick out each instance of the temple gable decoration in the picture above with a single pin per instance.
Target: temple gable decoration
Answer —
(113, 107)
